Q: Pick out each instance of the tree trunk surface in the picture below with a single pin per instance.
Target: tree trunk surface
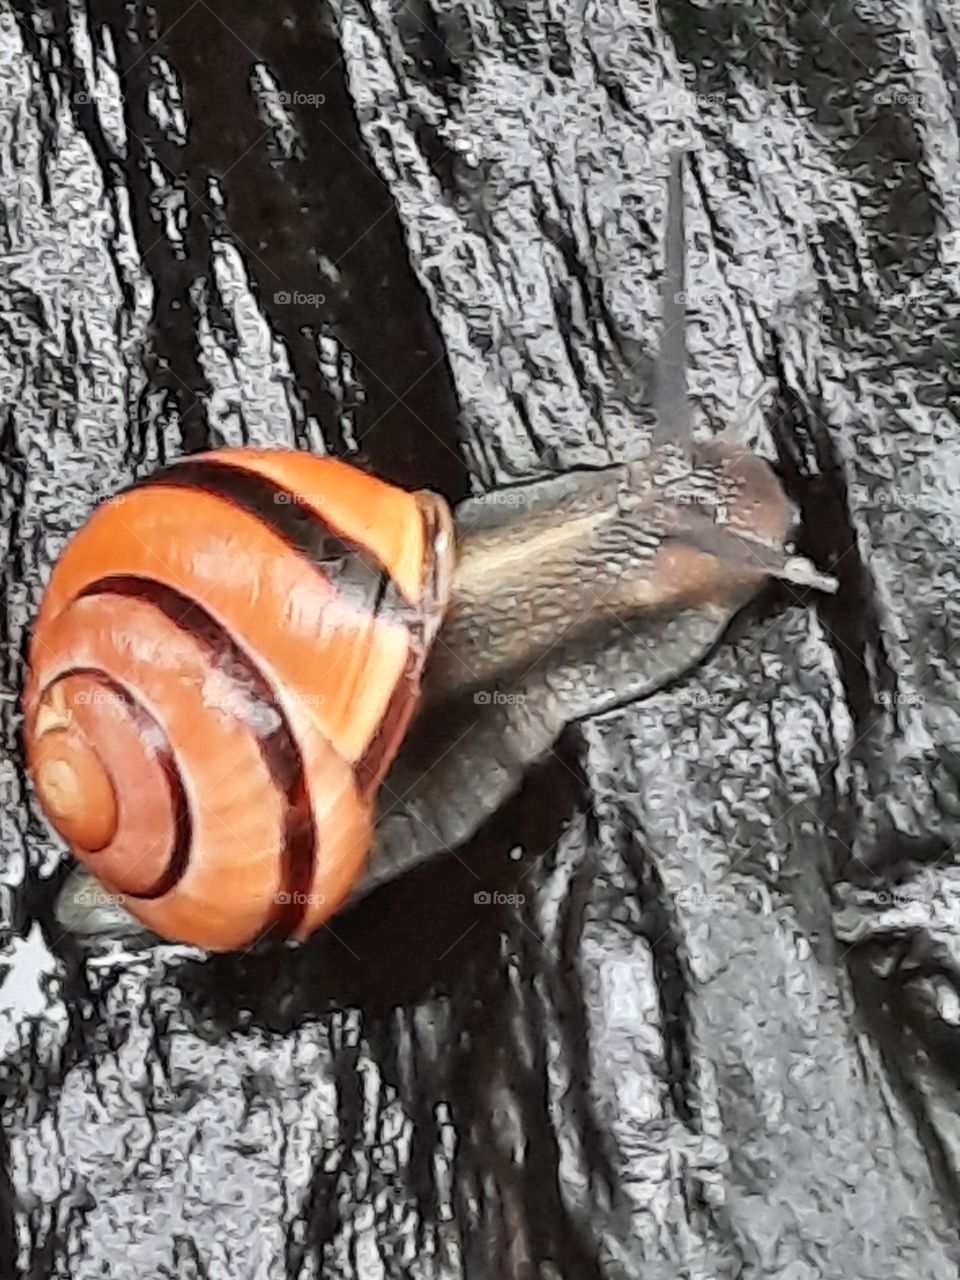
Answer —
(717, 1039)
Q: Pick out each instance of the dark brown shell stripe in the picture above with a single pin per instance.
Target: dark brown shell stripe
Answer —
(359, 578)
(179, 807)
(279, 749)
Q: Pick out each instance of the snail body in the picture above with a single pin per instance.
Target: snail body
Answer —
(585, 593)
(230, 654)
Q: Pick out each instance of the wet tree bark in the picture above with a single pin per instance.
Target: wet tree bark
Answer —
(718, 1036)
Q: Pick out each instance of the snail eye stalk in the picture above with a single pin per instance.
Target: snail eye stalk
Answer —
(671, 402)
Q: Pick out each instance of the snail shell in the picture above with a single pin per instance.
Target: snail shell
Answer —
(222, 669)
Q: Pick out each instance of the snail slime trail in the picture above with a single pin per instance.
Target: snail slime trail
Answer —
(352, 681)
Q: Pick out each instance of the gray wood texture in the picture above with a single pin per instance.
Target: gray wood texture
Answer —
(718, 1036)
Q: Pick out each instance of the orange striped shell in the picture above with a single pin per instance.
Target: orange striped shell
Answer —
(221, 672)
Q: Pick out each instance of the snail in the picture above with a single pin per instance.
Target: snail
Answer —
(263, 682)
